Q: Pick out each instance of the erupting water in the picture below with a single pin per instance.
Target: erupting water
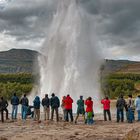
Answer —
(70, 64)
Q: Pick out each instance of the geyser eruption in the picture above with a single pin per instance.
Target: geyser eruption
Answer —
(70, 64)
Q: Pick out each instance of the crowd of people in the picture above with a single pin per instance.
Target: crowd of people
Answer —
(84, 108)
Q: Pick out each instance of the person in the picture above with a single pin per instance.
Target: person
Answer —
(63, 107)
(55, 104)
(36, 104)
(137, 104)
(15, 103)
(120, 105)
(130, 109)
(80, 108)
(106, 108)
(24, 106)
(89, 110)
(68, 107)
(46, 106)
(3, 107)
(30, 112)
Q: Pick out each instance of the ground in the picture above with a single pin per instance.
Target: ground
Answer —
(101, 130)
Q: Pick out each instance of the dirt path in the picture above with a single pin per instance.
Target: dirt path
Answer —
(101, 130)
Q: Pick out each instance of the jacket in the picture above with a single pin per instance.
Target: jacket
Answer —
(3, 104)
(54, 102)
(106, 104)
(24, 101)
(80, 108)
(137, 103)
(89, 105)
(36, 102)
(121, 104)
(15, 100)
(68, 103)
(46, 102)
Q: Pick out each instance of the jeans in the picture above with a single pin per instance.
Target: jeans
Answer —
(130, 115)
(89, 118)
(138, 115)
(24, 112)
(14, 111)
(64, 114)
(108, 113)
(120, 115)
(69, 112)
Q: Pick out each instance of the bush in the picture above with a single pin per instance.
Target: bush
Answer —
(15, 83)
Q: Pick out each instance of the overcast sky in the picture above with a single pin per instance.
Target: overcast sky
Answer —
(24, 23)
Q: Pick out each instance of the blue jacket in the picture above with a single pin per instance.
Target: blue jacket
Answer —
(36, 102)
(15, 100)
(137, 103)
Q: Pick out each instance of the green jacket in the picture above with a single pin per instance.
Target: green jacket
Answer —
(80, 108)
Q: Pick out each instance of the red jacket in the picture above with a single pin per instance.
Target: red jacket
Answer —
(106, 104)
(68, 102)
(89, 105)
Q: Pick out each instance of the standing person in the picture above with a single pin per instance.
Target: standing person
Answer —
(89, 110)
(106, 107)
(63, 108)
(137, 104)
(46, 106)
(131, 109)
(3, 107)
(36, 104)
(55, 104)
(80, 108)
(120, 105)
(68, 106)
(24, 106)
(15, 103)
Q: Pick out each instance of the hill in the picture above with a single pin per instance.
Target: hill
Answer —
(119, 66)
(23, 60)
(18, 60)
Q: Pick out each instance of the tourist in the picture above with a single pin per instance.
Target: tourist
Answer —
(106, 108)
(120, 105)
(68, 107)
(55, 104)
(89, 110)
(3, 107)
(130, 109)
(30, 112)
(36, 104)
(80, 108)
(63, 107)
(137, 104)
(24, 106)
(15, 103)
(46, 106)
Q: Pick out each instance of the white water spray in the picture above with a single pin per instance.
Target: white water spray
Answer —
(70, 64)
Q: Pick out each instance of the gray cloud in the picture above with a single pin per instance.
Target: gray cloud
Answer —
(117, 22)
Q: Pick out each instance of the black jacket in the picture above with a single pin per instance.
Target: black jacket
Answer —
(121, 104)
(3, 104)
(24, 101)
(46, 102)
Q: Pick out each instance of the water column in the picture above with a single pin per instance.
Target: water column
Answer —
(70, 62)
